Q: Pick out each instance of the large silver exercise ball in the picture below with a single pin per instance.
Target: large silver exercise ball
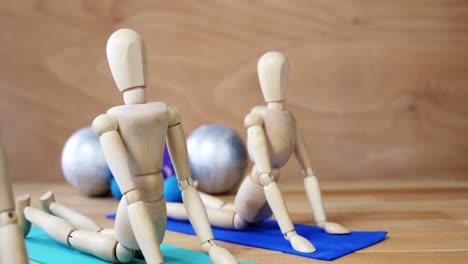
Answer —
(217, 158)
(84, 165)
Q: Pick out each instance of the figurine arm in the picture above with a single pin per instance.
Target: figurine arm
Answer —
(310, 180)
(261, 157)
(13, 249)
(196, 212)
(115, 153)
(313, 188)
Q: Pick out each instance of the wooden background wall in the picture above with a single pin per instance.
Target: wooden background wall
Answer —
(380, 88)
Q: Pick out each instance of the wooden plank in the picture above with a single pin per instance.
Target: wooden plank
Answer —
(379, 87)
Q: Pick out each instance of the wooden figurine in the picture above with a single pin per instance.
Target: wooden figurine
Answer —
(132, 137)
(272, 137)
(12, 249)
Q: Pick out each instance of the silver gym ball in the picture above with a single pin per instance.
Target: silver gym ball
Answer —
(217, 158)
(84, 165)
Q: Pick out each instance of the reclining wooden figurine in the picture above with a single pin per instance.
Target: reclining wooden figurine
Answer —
(132, 137)
(12, 249)
(272, 137)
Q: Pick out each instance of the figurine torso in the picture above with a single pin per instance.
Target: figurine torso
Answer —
(143, 130)
(280, 132)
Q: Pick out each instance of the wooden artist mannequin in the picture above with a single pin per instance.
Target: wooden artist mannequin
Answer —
(132, 137)
(272, 137)
(12, 249)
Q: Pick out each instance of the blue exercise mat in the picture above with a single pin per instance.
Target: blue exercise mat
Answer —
(267, 235)
(45, 250)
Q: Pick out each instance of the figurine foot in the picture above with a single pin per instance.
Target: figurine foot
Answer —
(333, 228)
(299, 243)
(46, 200)
(22, 202)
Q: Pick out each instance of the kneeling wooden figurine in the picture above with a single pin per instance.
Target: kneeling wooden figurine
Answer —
(132, 137)
(272, 137)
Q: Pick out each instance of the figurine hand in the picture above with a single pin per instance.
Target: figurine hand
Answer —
(301, 244)
(333, 228)
(220, 255)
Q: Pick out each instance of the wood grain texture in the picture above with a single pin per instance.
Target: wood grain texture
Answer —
(379, 88)
(426, 220)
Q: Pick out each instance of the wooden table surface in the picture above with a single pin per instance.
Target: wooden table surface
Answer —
(427, 221)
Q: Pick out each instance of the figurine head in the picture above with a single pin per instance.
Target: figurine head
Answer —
(272, 71)
(127, 60)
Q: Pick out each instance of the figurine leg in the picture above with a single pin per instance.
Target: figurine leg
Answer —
(250, 202)
(99, 245)
(220, 213)
(77, 220)
(210, 201)
(227, 215)
(123, 229)
(219, 217)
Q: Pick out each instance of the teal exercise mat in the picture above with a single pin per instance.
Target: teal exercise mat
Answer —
(43, 249)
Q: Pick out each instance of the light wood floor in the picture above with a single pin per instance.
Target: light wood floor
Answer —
(427, 221)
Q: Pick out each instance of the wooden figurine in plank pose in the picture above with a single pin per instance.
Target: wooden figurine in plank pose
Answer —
(132, 137)
(12, 249)
(272, 137)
